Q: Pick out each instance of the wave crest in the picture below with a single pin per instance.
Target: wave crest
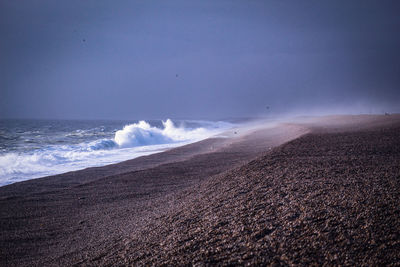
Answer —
(102, 144)
(143, 134)
(132, 141)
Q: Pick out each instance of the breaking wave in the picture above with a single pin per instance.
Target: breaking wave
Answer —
(133, 140)
(142, 134)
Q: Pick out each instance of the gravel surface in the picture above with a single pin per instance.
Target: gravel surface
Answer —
(328, 197)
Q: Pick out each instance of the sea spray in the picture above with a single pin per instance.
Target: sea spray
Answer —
(35, 149)
(142, 134)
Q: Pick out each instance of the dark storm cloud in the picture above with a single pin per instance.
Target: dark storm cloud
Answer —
(209, 59)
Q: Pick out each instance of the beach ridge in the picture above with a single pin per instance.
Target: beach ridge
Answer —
(311, 192)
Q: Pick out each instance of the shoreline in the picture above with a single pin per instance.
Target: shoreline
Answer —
(76, 146)
(146, 210)
(179, 153)
(246, 128)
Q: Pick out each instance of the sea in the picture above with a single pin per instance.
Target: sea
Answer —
(36, 148)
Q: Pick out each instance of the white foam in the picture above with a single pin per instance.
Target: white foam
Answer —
(142, 134)
(132, 141)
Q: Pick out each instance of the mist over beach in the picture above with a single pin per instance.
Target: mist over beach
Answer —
(209, 133)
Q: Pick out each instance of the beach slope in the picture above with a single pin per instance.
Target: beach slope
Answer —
(314, 191)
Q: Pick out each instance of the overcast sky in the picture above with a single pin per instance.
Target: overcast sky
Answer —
(82, 59)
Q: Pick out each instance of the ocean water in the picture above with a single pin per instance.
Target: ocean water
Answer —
(36, 148)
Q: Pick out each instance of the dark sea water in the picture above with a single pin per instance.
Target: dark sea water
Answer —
(36, 148)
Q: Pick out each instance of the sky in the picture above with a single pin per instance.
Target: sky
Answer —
(211, 59)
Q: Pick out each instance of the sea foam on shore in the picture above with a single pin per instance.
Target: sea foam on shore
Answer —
(32, 149)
